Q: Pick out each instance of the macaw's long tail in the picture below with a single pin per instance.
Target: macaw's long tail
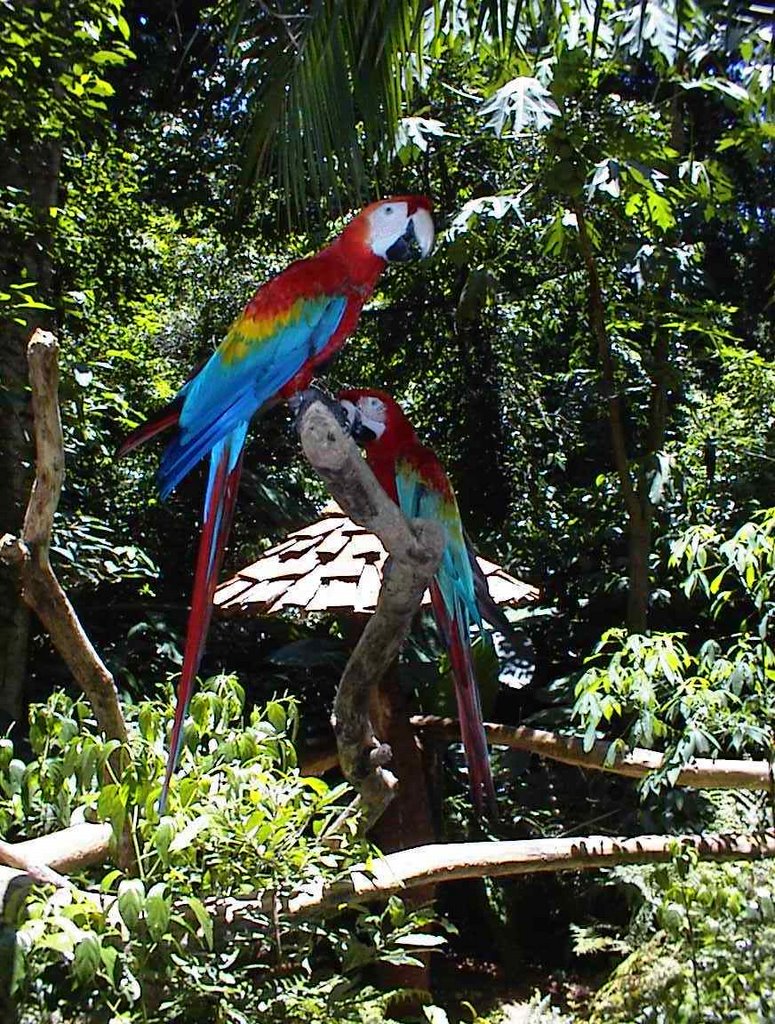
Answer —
(490, 611)
(222, 486)
(469, 707)
(162, 420)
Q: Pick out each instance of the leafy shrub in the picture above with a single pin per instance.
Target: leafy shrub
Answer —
(172, 939)
(711, 953)
(661, 689)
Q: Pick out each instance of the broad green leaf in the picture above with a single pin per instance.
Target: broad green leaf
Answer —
(525, 103)
(203, 918)
(186, 836)
(131, 900)
(87, 957)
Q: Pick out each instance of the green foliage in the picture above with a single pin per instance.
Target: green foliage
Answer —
(711, 952)
(653, 119)
(159, 944)
(53, 63)
(699, 699)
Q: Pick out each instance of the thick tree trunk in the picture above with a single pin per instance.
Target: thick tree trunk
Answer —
(414, 547)
(639, 585)
(636, 493)
(406, 823)
(33, 169)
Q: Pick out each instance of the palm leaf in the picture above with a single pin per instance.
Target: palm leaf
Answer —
(325, 88)
(327, 82)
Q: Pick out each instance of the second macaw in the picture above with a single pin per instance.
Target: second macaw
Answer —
(413, 477)
(291, 327)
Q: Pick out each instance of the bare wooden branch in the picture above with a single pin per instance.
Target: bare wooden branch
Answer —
(71, 849)
(41, 860)
(701, 773)
(415, 551)
(13, 857)
(41, 589)
(42, 358)
(398, 872)
(394, 874)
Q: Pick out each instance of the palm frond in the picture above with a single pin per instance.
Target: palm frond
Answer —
(327, 82)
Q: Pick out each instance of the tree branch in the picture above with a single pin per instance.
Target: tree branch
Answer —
(70, 849)
(41, 589)
(429, 865)
(414, 548)
(701, 773)
(83, 845)
(40, 860)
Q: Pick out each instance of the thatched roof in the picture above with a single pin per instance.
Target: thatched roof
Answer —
(332, 565)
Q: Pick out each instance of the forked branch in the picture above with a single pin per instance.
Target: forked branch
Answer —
(414, 548)
(40, 587)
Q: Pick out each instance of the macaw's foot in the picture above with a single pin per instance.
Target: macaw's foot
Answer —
(302, 400)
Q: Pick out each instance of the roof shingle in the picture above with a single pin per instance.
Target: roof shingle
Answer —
(332, 565)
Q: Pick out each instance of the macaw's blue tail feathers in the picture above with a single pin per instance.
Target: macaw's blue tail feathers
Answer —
(168, 416)
(160, 421)
(191, 445)
(222, 486)
(489, 610)
(469, 707)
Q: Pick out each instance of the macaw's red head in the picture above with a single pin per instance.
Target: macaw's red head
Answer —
(374, 418)
(396, 229)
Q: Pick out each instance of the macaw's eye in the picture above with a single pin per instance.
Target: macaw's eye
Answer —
(388, 210)
(373, 407)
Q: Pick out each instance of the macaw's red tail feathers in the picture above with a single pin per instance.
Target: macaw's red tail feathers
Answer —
(160, 421)
(165, 418)
(222, 486)
(469, 709)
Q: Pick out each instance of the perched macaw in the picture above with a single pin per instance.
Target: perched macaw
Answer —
(413, 477)
(291, 327)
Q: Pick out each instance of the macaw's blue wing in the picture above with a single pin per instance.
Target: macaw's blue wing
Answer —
(256, 359)
(453, 598)
(222, 485)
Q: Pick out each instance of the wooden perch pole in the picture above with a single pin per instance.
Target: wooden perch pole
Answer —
(414, 548)
(43, 592)
(41, 589)
(83, 845)
(398, 872)
(40, 860)
(701, 773)
(71, 849)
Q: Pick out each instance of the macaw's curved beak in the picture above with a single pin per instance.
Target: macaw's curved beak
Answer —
(416, 241)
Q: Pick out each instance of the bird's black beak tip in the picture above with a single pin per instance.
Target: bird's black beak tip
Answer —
(406, 247)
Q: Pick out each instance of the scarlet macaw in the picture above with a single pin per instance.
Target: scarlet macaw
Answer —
(291, 327)
(413, 477)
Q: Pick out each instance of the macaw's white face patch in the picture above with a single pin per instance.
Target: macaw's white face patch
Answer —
(397, 234)
(367, 419)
